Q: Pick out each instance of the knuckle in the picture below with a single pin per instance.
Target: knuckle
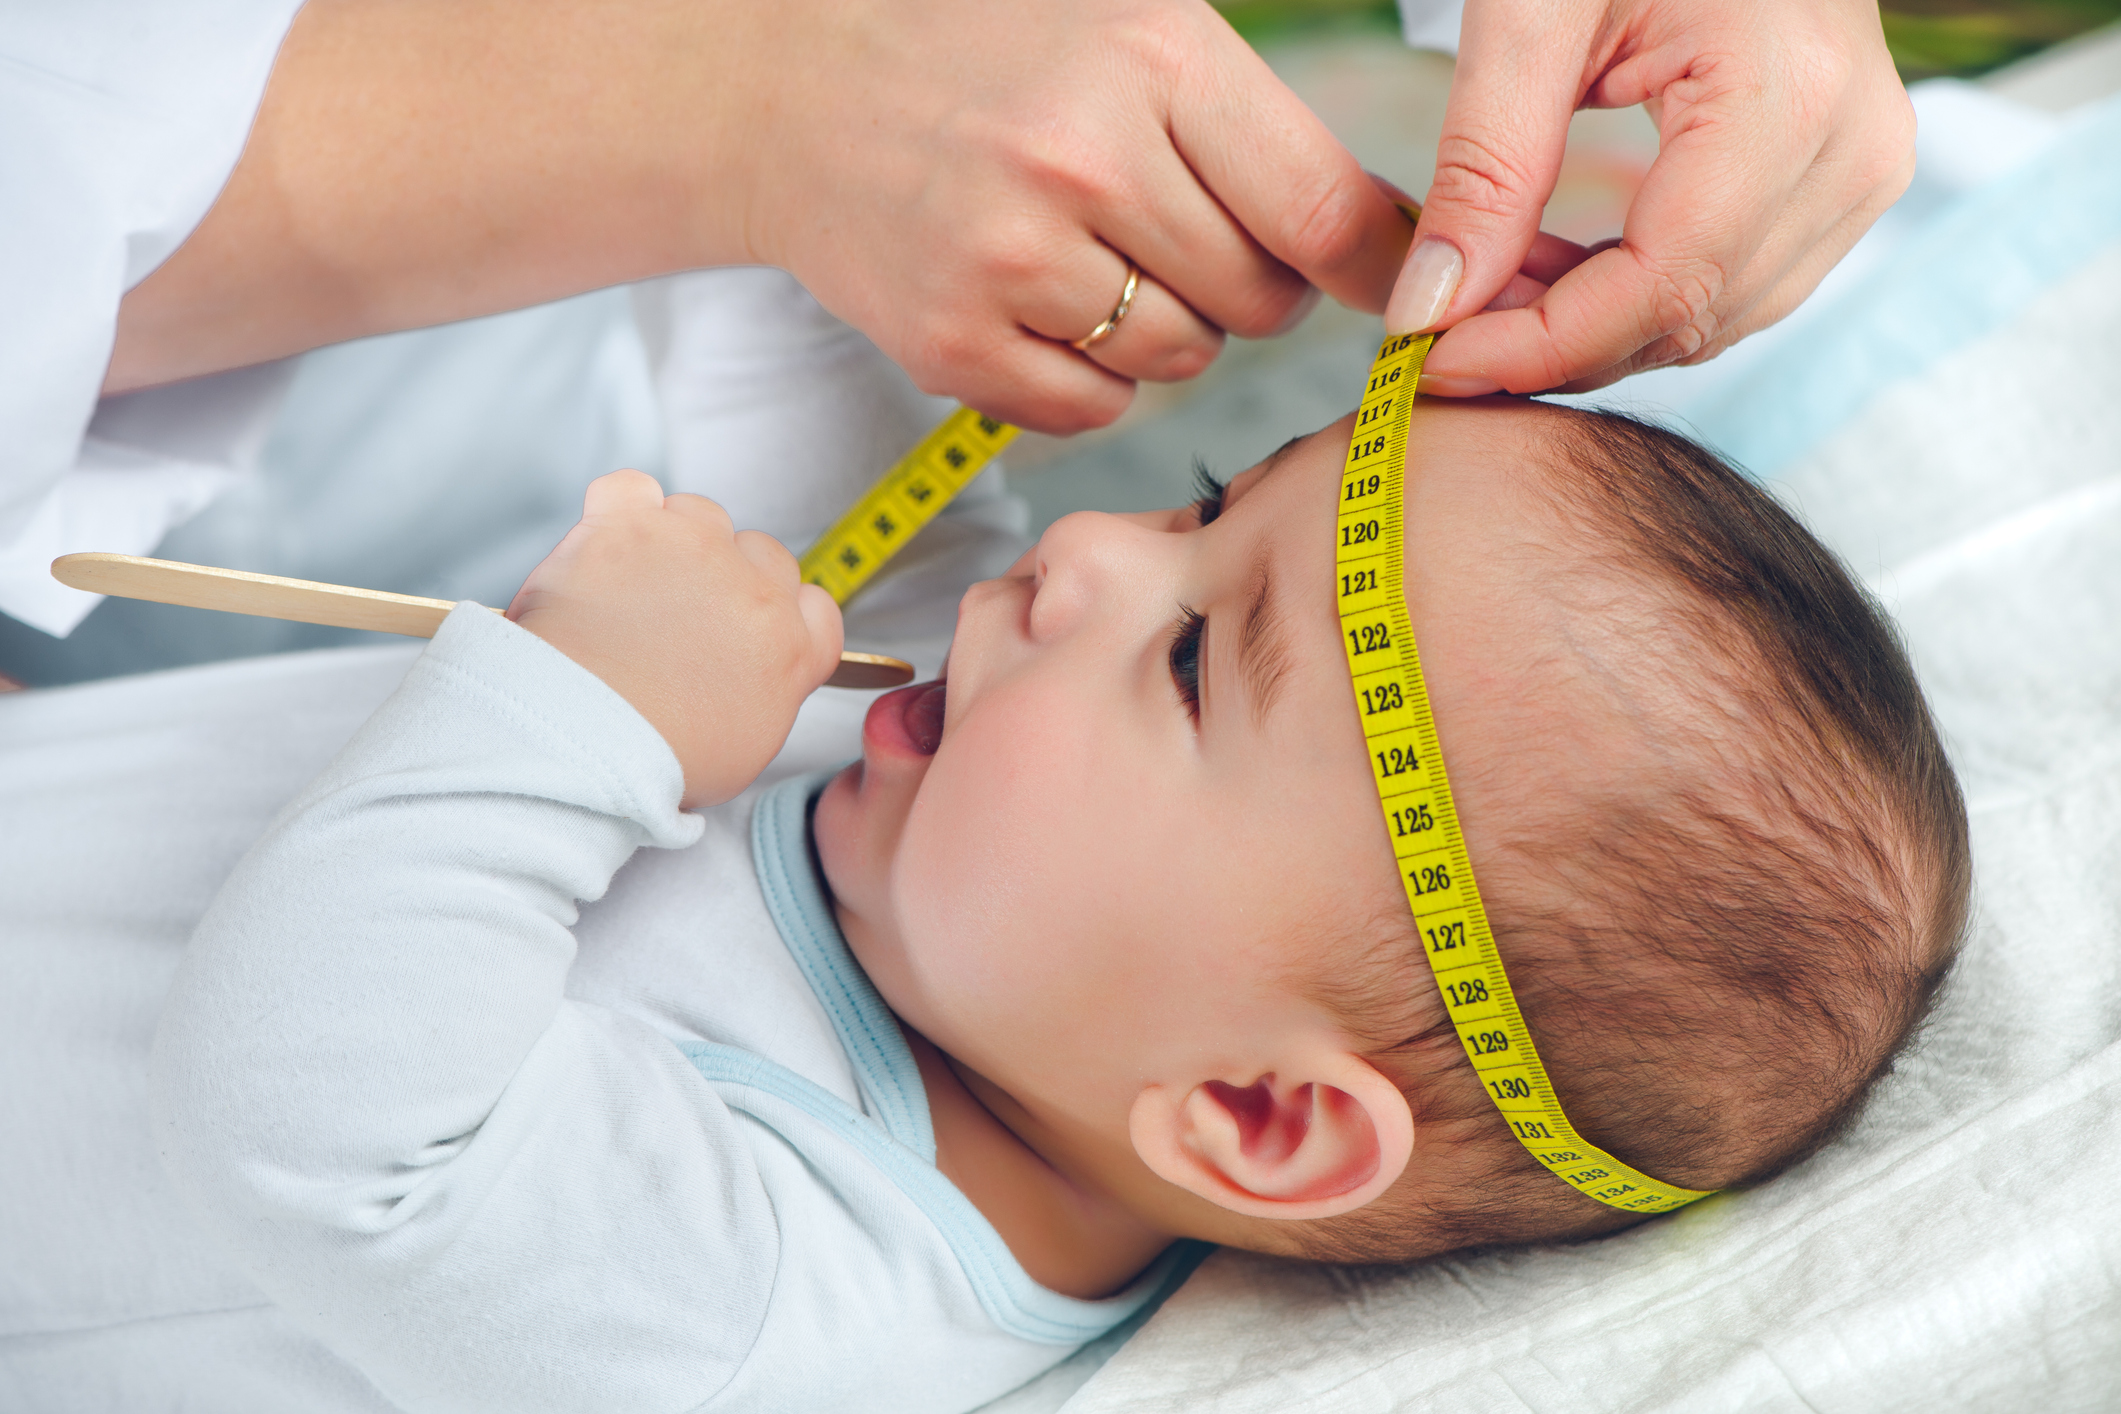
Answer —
(1068, 163)
(1161, 41)
(1683, 301)
(1267, 306)
(941, 349)
(1885, 160)
(1061, 416)
(1475, 176)
(764, 547)
(1324, 229)
(1189, 361)
(1007, 252)
(1550, 362)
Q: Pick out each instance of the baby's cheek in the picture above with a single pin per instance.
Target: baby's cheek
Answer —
(1002, 879)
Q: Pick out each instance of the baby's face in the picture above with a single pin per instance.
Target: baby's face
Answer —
(1148, 785)
(1144, 825)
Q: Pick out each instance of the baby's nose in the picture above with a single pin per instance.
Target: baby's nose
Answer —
(1085, 564)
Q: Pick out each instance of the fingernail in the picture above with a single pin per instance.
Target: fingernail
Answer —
(1426, 283)
(1451, 385)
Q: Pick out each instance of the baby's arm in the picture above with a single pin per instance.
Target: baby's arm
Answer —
(368, 1077)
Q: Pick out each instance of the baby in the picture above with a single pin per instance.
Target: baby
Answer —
(1098, 949)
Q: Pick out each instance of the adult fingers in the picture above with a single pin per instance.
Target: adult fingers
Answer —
(1623, 310)
(1023, 378)
(1805, 257)
(1287, 181)
(1161, 216)
(1792, 289)
(1776, 121)
(1551, 257)
(1156, 337)
(1519, 76)
(1160, 339)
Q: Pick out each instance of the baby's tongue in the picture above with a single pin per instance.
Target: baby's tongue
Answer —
(924, 718)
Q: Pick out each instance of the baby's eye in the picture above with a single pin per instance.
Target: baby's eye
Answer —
(1185, 658)
(1207, 492)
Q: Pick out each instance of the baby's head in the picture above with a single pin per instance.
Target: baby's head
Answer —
(1131, 875)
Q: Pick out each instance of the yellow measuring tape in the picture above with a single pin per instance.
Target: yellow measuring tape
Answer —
(1418, 810)
(907, 498)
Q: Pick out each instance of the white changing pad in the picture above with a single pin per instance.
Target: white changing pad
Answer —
(1961, 1250)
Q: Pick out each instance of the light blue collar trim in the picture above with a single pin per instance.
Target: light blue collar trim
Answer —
(795, 896)
(897, 1134)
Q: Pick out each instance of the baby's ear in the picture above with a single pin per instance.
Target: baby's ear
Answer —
(1324, 1134)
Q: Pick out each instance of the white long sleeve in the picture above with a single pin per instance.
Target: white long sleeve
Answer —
(370, 1081)
(434, 1144)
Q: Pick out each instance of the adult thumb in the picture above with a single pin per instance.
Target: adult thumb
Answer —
(1521, 66)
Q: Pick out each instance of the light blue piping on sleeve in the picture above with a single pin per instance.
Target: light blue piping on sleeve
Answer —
(883, 1065)
(1972, 269)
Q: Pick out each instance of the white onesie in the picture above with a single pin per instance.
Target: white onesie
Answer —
(675, 1157)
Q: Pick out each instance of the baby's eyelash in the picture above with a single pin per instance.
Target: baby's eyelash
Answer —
(1185, 658)
(1207, 492)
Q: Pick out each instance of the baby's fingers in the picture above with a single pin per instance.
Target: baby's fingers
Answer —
(618, 492)
(770, 557)
(828, 634)
(706, 514)
(822, 630)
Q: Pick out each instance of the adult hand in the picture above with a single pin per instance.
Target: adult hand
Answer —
(967, 181)
(1783, 133)
(963, 180)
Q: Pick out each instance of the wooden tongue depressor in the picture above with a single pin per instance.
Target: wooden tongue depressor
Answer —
(341, 606)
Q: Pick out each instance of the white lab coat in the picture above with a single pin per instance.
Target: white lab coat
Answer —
(442, 462)
(119, 123)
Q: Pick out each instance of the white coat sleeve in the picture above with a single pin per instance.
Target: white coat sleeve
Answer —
(120, 121)
(369, 1082)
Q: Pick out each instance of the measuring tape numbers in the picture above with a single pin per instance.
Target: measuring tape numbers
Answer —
(1421, 819)
(905, 499)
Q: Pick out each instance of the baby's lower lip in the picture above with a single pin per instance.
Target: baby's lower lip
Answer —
(908, 721)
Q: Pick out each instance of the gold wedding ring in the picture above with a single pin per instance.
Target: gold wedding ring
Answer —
(1126, 302)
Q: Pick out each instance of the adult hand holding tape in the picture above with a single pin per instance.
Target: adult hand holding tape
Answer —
(1783, 134)
(998, 175)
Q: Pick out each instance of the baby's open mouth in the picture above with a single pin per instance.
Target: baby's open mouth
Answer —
(924, 716)
(908, 719)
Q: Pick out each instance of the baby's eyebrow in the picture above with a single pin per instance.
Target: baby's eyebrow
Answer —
(1273, 458)
(1262, 645)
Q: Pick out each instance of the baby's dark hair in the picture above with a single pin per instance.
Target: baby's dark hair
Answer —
(1717, 964)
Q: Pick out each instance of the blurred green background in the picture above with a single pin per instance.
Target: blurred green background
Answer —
(1927, 37)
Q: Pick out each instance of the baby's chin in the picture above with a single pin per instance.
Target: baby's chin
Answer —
(862, 812)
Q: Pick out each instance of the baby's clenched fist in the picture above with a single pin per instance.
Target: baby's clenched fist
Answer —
(709, 632)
